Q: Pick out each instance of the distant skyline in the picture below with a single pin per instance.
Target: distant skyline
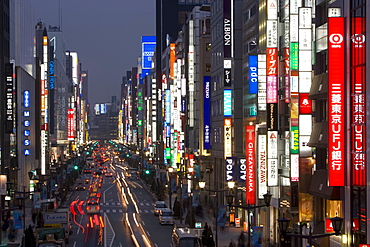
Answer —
(105, 34)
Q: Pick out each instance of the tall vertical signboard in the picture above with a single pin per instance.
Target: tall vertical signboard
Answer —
(9, 107)
(358, 101)
(336, 112)
(250, 157)
(207, 113)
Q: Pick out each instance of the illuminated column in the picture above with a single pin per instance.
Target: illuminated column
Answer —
(272, 92)
(44, 106)
(305, 107)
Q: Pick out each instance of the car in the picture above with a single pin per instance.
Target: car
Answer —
(165, 216)
(80, 187)
(109, 174)
(87, 181)
(87, 171)
(158, 206)
(93, 206)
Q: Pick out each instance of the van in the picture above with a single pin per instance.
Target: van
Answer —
(184, 237)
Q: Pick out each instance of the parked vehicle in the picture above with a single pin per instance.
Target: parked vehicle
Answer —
(184, 237)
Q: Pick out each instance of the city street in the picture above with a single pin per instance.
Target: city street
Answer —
(128, 216)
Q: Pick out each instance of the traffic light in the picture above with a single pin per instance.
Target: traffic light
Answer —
(147, 171)
(75, 167)
(127, 155)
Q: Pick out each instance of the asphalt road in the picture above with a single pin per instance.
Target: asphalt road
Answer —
(126, 210)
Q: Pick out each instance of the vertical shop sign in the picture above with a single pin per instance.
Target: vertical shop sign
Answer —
(336, 116)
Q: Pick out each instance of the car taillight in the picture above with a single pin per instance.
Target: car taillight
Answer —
(88, 207)
(98, 207)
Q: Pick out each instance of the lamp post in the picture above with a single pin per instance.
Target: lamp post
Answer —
(230, 185)
(170, 170)
(267, 200)
(337, 226)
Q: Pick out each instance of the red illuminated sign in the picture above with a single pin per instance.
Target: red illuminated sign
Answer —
(250, 152)
(358, 99)
(305, 105)
(271, 71)
(336, 101)
(71, 130)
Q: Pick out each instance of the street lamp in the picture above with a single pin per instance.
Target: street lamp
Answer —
(337, 223)
(170, 170)
(230, 185)
(266, 199)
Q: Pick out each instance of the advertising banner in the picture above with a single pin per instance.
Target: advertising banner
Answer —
(358, 101)
(251, 169)
(207, 112)
(336, 102)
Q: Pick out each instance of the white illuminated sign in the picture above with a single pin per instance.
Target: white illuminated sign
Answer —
(262, 166)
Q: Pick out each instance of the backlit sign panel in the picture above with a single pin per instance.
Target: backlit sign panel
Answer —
(253, 74)
(262, 166)
(336, 102)
(305, 104)
(272, 116)
(358, 101)
(71, 130)
(250, 158)
(227, 103)
(242, 170)
(272, 158)
(227, 137)
(148, 44)
(230, 167)
(227, 28)
(26, 99)
(207, 112)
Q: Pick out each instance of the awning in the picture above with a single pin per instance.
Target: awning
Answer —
(319, 186)
(319, 135)
(319, 87)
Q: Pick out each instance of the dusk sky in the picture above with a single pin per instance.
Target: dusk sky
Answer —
(105, 33)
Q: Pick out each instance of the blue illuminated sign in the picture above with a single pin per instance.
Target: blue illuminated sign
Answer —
(227, 103)
(168, 106)
(253, 74)
(27, 123)
(26, 152)
(103, 108)
(168, 131)
(26, 98)
(26, 113)
(26, 142)
(26, 133)
(148, 44)
(51, 75)
(207, 112)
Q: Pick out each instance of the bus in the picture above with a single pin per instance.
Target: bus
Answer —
(184, 237)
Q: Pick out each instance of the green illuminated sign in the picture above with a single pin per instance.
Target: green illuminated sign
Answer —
(294, 56)
(294, 137)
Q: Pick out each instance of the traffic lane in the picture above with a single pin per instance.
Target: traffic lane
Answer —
(114, 208)
(159, 234)
(132, 217)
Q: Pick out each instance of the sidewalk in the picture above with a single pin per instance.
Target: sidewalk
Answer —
(225, 235)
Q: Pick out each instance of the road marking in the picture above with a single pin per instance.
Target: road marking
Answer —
(148, 233)
(74, 244)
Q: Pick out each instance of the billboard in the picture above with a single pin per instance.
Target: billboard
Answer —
(227, 137)
(227, 103)
(261, 156)
(336, 102)
(148, 44)
(71, 130)
(253, 74)
(207, 112)
(358, 101)
(250, 152)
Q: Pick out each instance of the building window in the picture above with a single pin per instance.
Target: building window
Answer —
(208, 67)
(208, 46)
